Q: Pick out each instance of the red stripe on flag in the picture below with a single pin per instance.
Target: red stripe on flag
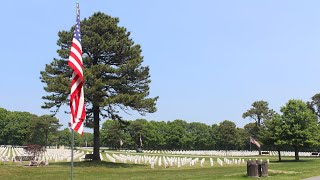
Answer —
(74, 45)
(75, 69)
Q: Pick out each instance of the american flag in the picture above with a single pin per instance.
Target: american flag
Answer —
(253, 141)
(77, 107)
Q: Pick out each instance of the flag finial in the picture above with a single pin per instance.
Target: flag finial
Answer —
(78, 8)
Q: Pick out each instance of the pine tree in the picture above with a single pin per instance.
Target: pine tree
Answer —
(115, 79)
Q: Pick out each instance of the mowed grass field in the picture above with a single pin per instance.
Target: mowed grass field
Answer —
(288, 169)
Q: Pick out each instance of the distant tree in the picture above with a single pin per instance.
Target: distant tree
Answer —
(177, 134)
(259, 112)
(85, 140)
(114, 76)
(314, 105)
(200, 138)
(242, 140)
(50, 128)
(161, 131)
(155, 135)
(35, 133)
(64, 137)
(299, 126)
(3, 124)
(42, 128)
(273, 133)
(17, 126)
(252, 130)
(111, 133)
(128, 142)
(137, 129)
(215, 136)
(3, 113)
(227, 135)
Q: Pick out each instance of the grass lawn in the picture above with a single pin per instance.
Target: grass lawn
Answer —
(288, 169)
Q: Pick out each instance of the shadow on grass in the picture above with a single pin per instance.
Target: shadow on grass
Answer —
(97, 164)
(291, 161)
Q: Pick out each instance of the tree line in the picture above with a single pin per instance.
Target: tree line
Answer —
(173, 135)
(24, 128)
(296, 128)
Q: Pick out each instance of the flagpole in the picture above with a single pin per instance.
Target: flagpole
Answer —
(72, 144)
(72, 130)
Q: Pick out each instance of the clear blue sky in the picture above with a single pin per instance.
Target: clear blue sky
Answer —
(209, 60)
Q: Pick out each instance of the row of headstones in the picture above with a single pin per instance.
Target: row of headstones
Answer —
(9, 153)
(200, 152)
(152, 160)
(169, 161)
(51, 154)
(220, 153)
(60, 155)
(5, 151)
(5, 154)
(76, 156)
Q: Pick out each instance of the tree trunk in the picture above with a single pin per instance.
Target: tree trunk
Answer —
(296, 153)
(46, 140)
(96, 135)
(259, 121)
(279, 155)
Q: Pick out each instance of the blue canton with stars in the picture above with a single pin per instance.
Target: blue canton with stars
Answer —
(77, 34)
